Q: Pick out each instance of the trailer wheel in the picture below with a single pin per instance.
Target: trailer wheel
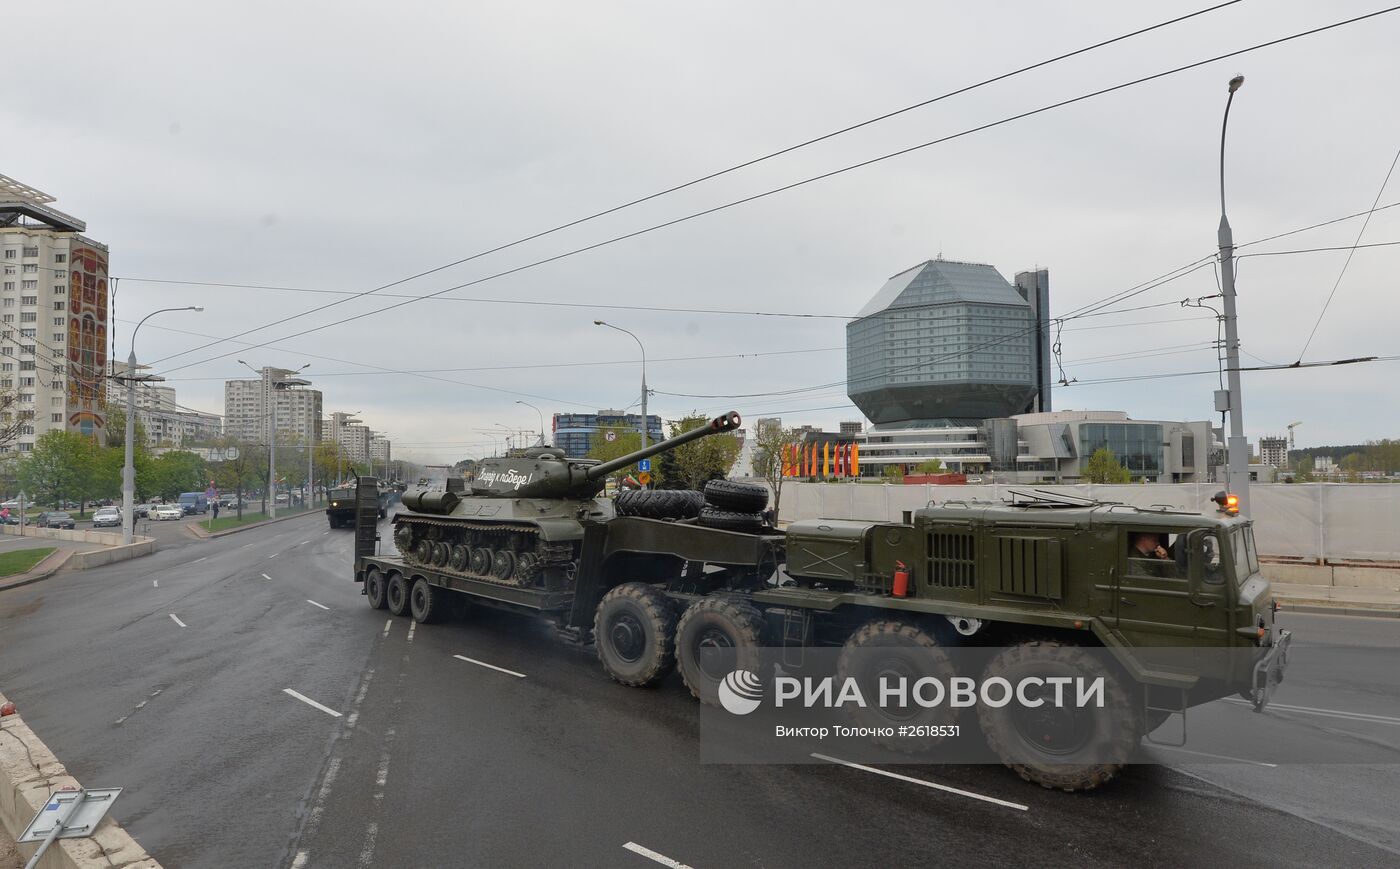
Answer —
(1066, 748)
(738, 497)
(396, 594)
(716, 636)
(374, 588)
(887, 650)
(634, 630)
(426, 603)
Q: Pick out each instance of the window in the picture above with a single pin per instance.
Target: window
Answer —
(26, 333)
(7, 366)
(55, 417)
(9, 253)
(60, 257)
(31, 251)
(9, 270)
(58, 306)
(60, 274)
(57, 321)
(60, 290)
(26, 365)
(30, 269)
(26, 381)
(29, 285)
(27, 317)
(7, 351)
(8, 318)
(26, 448)
(58, 337)
(28, 300)
(9, 302)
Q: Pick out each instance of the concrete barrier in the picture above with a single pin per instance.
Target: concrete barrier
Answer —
(110, 554)
(29, 773)
(76, 536)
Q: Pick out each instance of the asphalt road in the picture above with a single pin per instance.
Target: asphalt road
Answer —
(172, 676)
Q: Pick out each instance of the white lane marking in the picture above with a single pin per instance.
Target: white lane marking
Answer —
(245, 546)
(652, 855)
(309, 702)
(177, 621)
(928, 784)
(266, 577)
(324, 533)
(411, 627)
(1218, 756)
(387, 625)
(303, 543)
(198, 560)
(155, 583)
(313, 603)
(489, 666)
(301, 858)
(367, 853)
(273, 555)
(1332, 713)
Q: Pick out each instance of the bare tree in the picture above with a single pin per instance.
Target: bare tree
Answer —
(768, 458)
(12, 420)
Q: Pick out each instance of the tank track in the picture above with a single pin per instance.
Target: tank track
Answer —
(506, 553)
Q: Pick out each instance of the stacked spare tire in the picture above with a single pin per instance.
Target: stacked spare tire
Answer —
(725, 505)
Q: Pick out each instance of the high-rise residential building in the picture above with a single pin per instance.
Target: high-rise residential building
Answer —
(573, 432)
(352, 436)
(379, 455)
(53, 316)
(247, 407)
(1274, 451)
(851, 428)
(951, 341)
(766, 424)
(165, 422)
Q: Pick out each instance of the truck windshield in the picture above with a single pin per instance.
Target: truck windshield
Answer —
(1246, 559)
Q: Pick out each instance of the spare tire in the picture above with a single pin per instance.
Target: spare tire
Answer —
(738, 497)
(659, 503)
(728, 520)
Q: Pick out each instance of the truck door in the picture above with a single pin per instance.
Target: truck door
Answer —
(1166, 602)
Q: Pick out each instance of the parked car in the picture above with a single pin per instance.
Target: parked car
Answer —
(194, 502)
(55, 519)
(168, 511)
(12, 504)
(107, 517)
(141, 511)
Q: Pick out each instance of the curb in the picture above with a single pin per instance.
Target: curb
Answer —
(52, 563)
(1336, 608)
(29, 773)
(202, 534)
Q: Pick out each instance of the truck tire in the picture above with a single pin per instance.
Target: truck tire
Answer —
(1066, 749)
(659, 503)
(374, 588)
(889, 649)
(396, 594)
(716, 636)
(728, 520)
(738, 497)
(426, 603)
(634, 630)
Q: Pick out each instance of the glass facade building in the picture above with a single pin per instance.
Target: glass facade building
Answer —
(573, 432)
(1137, 446)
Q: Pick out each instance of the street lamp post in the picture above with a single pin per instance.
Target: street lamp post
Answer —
(271, 393)
(645, 421)
(1237, 446)
(129, 468)
(541, 413)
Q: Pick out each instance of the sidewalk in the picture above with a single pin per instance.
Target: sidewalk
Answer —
(49, 566)
(1336, 600)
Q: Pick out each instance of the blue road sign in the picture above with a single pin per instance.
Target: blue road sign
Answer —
(644, 465)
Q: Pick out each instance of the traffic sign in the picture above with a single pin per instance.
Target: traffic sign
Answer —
(644, 478)
(644, 465)
(610, 436)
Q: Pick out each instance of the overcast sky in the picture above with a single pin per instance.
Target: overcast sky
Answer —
(345, 145)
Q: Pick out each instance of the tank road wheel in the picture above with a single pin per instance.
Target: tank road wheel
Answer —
(374, 588)
(527, 564)
(403, 538)
(396, 594)
(634, 630)
(503, 564)
(1065, 747)
(738, 497)
(425, 602)
(892, 650)
(441, 552)
(715, 637)
(423, 552)
(459, 557)
(480, 559)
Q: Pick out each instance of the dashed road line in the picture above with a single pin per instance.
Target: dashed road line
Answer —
(303, 543)
(155, 583)
(266, 577)
(313, 603)
(928, 784)
(412, 626)
(309, 702)
(273, 555)
(652, 855)
(387, 625)
(198, 560)
(489, 666)
(177, 621)
(138, 707)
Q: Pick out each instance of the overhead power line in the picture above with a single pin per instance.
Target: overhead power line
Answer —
(806, 181)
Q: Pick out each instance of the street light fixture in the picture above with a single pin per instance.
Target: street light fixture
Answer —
(129, 468)
(1236, 447)
(273, 386)
(538, 411)
(645, 421)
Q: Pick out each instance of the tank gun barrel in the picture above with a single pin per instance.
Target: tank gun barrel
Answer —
(720, 424)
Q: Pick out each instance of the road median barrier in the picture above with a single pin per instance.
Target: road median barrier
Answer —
(29, 774)
(200, 531)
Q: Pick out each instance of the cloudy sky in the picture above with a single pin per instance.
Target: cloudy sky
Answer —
(341, 146)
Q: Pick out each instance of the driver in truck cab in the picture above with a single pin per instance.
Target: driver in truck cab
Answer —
(1148, 555)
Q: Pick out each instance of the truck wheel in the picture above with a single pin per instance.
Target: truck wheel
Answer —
(887, 650)
(716, 636)
(738, 497)
(374, 588)
(728, 520)
(1067, 748)
(634, 630)
(425, 603)
(659, 503)
(396, 593)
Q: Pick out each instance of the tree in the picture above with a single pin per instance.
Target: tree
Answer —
(709, 458)
(932, 466)
(116, 427)
(1303, 469)
(624, 441)
(12, 420)
(178, 471)
(1103, 467)
(768, 449)
(239, 472)
(893, 473)
(60, 467)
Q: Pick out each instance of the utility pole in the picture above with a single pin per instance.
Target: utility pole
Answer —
(270, 394)
(1237, 445)
(645, 420)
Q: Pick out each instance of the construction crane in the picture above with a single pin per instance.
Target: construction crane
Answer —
(1291, 427)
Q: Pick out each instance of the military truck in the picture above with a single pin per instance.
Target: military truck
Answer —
(342, 504)
(1053, 583)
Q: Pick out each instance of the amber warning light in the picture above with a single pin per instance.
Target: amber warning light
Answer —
(1229, 503)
